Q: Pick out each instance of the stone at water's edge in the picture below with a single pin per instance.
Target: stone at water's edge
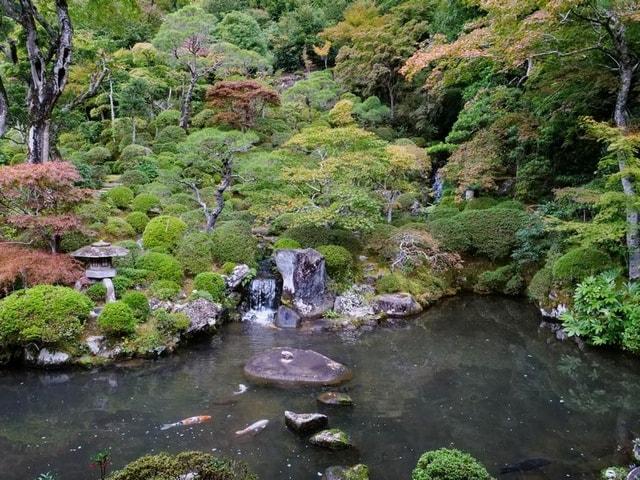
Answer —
(287, 317)
(46, 358)
(357, 472)
(291, 366)
(396, 305)
(334, 439)
(305, 422)
(354, 303)
(237, 276)
(634, 474)
(304, 277)
(203, 315)
(335, 398)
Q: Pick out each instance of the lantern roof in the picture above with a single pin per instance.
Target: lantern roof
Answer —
(100, 249)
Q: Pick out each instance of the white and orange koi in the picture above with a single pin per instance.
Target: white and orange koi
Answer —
(187, 421)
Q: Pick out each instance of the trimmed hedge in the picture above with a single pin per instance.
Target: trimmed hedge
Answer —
(449, 464)
(194, 252)
(160, 266)
(233, 242)
(580, 263)
(120, 196)
(145, 202)
(117, 319)
(163, 232)
(339, 261)
(164, 289)
(138, 303)
(284, 243)
(211, 283)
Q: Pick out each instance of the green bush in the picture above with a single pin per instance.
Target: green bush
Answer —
(228, 267)
(120, 196)
(163, 231)
(449, 464)
(164, 289)
(44, 314)
(175, 209)
(167, 118)
(117, 319)
(168, 139)
(212, 283)
(233, 242)
(168, 467)
(145, 202)
(579, 263)
(480, 203)
(97, 292)
(138, 221)
(540, 285)
(504, 279)
(308, 236)
(182, 199)
(121, 284)
(171, 323)
(284, 243)
(118, 228)
(339, 262)
(135, 275)
(132, 154)
(160, 266)
(134, 178)
(391, 283)
(129, 260)
(97, 156)
(194, 252)
(138, 303)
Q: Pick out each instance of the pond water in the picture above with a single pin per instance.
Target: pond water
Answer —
(472, 372)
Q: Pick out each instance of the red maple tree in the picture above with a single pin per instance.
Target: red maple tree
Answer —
(242, 101)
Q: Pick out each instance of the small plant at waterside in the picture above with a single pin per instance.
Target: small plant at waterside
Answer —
(339, 262)
(117, 319)
(163, 232)
(606, 312)
(211, 283)
(46, 476)
(579, 263)
(101, 460)
(170, 323)
(138, 303)
(284, 243)
(449, 464)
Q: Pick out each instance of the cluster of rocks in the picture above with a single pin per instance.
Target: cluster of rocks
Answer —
(560, 333)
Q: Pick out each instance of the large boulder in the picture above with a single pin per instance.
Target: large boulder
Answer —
(355, 302)
(203, 315)
(304, 277)
(396, 305)
(287, 317)
(237, 276)
(291, 366)
(334, 439)
(305, 422)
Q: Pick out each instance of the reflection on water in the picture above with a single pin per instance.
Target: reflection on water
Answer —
(472, 372)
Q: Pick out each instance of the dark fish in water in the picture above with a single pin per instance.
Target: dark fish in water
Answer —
(525, 465)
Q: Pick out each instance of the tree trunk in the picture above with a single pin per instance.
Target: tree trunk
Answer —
(38, 142)
(113, 111)
(133, 130)
(626, 67)
(4, 109)
(227, 171)
(392, 101)
(185, 110)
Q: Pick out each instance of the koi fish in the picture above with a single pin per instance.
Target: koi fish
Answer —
(254, 428)
(187, 421)
(241, 389)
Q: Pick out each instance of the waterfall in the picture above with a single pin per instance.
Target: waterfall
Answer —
(437, 187)
(111, 291)
(262, 301)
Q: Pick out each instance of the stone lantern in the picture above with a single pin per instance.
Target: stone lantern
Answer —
(99, 260)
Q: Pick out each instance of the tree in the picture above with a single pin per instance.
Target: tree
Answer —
(242, 30)
(187, 35)
(39, 199)
(48, 68)
(242, 101)
(209, 156)
(323, 52)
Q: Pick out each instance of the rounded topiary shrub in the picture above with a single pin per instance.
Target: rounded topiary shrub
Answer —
(134, 178)
(133, 154)
(43, 314)
(120, 196)
(579, 263)
(175, 209)
(138, 221)
(145, 202)
(168, 138)
(171, 323)
(449, 464)
(233, 242)
(97, 155)
(167, 118)
(117, 229)
(97, 292)
(138, 303)
(160, 266)
(284, 243)
(194, 252)
(164, 232)
(309, 236)
(211, 283)
(117, 319)
(164, 289)
(339, 261)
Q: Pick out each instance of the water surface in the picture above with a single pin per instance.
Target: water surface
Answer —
(473, 372)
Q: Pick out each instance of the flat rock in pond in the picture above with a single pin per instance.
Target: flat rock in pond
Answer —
(292, 366)
(335, 398)
(334, 439)
(357, 472)
(287, 317)
(396, 305)
(305, 422)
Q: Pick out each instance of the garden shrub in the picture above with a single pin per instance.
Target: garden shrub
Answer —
(391, 283)
(73, 240)
(284, 243)
(182, 199)
(120, 196)
(579, 263)
(194, 252)
(134, 178)
(164, 232)
(132, 154)
(175, 209)
(339, 262)
(160, 266)
(165, 466)
(135, 275)
(540, 285)
(233, 242)
(164, 289)
(449, 464)
(129, 260)
(440, 212)
(147, 341)
(97, 155)
(138, 221)
(212, 283)
(376, 240)
(117, 228)
(171, 323)
(144, 202)
(117, 319)
(228, 267)
(480, 203)
(43, 314)
(168, 139)
(504, 279)
(97, 292)
(308, 236)
(96, 211)
(138, 303)
(121, 284)
(167, 118)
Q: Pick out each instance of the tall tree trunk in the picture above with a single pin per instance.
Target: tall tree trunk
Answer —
(4, 109)
(227, 171)
(185, 109)
(38, 141)
(113, 111)
(627, 65)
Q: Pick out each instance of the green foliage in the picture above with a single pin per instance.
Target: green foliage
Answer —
(138, 303)
(134, 178)
(97, 292)
(120, 196)
(211, 283)
(117, 319)
(138, 221)
(579, 263)
(118, 228)
(163, 231)
(506, 280)
(43, 314)
(339, 262)
(144, 202)
(285, 243)
(242, 30)
(233, 242)
(170, 323)
(164, 290)
(160, 266)
(449, 464)
(194, 252)
(167, 118)
(372, 112)
(540, 285)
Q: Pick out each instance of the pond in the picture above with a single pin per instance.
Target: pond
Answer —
(473, 372)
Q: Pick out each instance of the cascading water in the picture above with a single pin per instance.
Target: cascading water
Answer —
(437, 187)
(263, 298)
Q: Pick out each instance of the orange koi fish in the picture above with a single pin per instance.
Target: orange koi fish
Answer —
(187, 421)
